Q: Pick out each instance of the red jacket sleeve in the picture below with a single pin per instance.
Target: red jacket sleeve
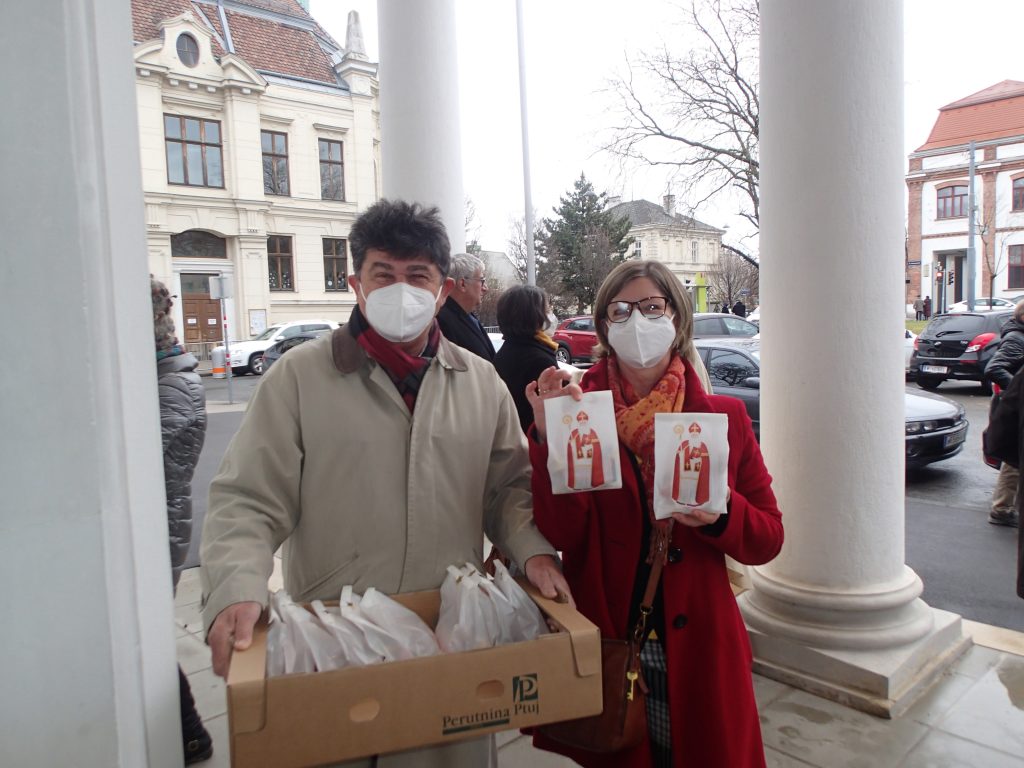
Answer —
(562, 518)
(752, 533)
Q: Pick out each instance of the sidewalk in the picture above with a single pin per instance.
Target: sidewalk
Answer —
(973, 718)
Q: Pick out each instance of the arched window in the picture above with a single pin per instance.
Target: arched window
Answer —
(1018, 194)
(195, 243)
(951, 202)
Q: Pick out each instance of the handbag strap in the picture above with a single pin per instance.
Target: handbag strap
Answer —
(660, 552)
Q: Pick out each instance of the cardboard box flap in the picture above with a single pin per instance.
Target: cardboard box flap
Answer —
(247, 677)
(586, 642)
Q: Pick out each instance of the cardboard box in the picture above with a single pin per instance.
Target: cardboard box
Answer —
(304, 720)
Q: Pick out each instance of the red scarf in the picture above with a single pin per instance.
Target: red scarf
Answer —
(634, 420)
(405, 370)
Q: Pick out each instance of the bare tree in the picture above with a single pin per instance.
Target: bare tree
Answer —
(517, 252)
(697, 114)
(734, 272)
(472, 228)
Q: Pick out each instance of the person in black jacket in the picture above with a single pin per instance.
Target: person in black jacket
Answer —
(183, 431)
(1007, 360)
(458, 323)
(739, 309)
(527, 349)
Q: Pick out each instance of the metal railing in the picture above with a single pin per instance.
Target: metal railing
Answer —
(202, 350)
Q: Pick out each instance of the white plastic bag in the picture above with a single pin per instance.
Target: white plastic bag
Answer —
(315, 649)
(463, 624)
(401, 623)
(358, 652)
(691, 463)
(527, 620)
(379, 640)
(275, 643)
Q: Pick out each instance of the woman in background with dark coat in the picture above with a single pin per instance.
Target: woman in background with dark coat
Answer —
(527, 349)
(183, 431)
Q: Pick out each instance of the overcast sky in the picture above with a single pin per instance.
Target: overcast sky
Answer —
(573, 47)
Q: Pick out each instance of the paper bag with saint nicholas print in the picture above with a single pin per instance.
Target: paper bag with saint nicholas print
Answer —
(691, 462)
(583, 444)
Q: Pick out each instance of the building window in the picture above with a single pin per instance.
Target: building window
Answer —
(279, 252)
(693, 251)
(275, 162)
(188, 49)
(1018, 194)
(195, 243)
(1015, 270)
(952, 202)
(194, 154)
(638, 249)
(332, 170)
(335, 265)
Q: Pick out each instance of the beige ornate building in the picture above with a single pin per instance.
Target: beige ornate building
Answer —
(260, 144)
(937, 182)
(688, 247)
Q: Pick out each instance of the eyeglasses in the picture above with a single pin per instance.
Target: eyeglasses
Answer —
(652, 308)
(481, 280)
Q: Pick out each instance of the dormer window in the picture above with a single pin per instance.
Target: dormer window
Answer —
(188, 49)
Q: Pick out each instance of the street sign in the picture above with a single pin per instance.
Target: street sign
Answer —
(914, 263)
(744, 291)
(220, 287)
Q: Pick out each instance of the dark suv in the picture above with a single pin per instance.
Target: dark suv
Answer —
(956, 346)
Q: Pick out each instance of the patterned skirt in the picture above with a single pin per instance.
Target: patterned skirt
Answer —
(659, 726)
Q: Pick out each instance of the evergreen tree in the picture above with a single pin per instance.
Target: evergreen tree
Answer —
(580, 246)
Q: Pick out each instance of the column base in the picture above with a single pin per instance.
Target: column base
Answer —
(882, 682)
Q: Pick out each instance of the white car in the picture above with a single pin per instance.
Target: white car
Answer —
(909, 339)
(984, 304)
(247, 356)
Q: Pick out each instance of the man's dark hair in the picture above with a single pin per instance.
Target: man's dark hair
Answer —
(521, 311)
(404, 230)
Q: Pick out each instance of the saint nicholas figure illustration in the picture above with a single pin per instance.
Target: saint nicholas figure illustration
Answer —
(692, 472)
(583, 455)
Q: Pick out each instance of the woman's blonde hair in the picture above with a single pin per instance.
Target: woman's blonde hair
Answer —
(670, 287)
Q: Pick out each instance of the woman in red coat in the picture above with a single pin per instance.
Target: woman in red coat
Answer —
(697, 661)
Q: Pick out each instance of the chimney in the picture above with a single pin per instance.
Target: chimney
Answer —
(669, 204)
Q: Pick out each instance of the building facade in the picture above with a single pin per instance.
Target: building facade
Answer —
(260, 145)
(688, 247)
(938, 189)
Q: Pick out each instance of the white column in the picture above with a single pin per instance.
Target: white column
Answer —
(419, 108)
(838, 612)
(88, 652)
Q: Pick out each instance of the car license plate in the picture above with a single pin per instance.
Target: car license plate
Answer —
(934, 369)
(954, 439)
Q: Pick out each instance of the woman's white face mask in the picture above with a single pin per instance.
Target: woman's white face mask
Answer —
(400, 312)
(640, 342)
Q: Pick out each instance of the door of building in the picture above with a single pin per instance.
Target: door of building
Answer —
(201, 313)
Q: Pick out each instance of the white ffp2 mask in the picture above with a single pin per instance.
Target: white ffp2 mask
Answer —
(640, 342)
(400, 312)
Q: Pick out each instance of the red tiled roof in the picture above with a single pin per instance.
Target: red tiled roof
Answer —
(993, 113)
(267, 45)
(274, 47)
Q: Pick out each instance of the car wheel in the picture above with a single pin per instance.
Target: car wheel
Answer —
(256, 364)
(929, 382)
(562, 355)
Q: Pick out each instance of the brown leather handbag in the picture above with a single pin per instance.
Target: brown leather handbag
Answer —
(623, 722)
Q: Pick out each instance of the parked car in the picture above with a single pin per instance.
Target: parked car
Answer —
(935, 426)
(956, 346)
(711, 324)
(247, 356)
(274, 351)
(755, 316)
(576, 339)
(984, 304)
(909, 343)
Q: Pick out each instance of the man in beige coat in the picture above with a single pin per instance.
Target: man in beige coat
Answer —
(378, 455)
